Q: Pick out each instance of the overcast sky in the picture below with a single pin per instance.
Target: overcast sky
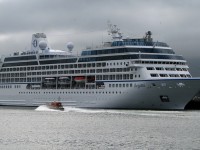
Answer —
(84, 22)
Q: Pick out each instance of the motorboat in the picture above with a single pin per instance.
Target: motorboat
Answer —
(55, 105)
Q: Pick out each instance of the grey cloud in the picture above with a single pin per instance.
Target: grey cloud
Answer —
(84, 22)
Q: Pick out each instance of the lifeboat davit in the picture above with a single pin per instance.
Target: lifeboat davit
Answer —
(79, 79)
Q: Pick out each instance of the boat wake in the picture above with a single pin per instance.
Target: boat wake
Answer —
(147, 113)
(80, 110)
(45, 108)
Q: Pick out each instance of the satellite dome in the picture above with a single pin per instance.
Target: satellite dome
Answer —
(42, 45)
(70, 46)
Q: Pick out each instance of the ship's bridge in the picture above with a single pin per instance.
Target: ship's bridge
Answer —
(138, 42)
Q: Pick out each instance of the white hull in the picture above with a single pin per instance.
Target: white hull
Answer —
(142, 95)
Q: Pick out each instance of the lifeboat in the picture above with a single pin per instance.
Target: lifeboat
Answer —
(55, 105)
(50, 81)
(64, 80)
(79, 79)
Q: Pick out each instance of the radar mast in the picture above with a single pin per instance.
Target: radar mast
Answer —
(114, 32)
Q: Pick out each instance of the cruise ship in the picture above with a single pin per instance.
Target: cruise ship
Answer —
(125, 73)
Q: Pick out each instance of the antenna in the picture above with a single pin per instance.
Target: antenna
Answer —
(148, 37)
(114, 32)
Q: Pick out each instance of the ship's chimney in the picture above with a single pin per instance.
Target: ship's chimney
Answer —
(39, 42)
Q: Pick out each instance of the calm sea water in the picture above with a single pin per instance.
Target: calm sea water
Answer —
(30, 129)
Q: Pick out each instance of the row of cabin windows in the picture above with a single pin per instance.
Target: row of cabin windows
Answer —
(9, 86)
(117, 77)
(168, 69)
(170, 75)
(88, 65)
(75, 92)
(159, 62)
(98, 77)
(20, 80)
(68, 72)
(126, 50)
(130, 56)
(121, 85)
(116, 63)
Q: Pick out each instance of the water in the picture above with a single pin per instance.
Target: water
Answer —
(42, 129)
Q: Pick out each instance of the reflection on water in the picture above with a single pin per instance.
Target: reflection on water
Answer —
(74, 128)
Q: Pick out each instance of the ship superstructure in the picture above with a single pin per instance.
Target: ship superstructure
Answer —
(124, 73)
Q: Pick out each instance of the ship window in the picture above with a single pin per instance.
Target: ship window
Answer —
(150, 68)
(105, 70)
(131, 76)
(123, 85)
(79, 65)
(154, 75)
(127, 76)
(92, 71)
(103, 64)
(189, 76)
(105, 77)
(170, 69)
(82, 71)
(178, 69)
(71, 72)
(174, 75)
(99, 70)
(163, 75)
(88, 65)
(98, 64)
(66, 66)
(84, 65)
(120, 76)
(124, 76)
(159, 68)
(112, 70)
(55, 67)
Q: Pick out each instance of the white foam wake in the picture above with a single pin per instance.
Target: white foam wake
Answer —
(44, 108)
